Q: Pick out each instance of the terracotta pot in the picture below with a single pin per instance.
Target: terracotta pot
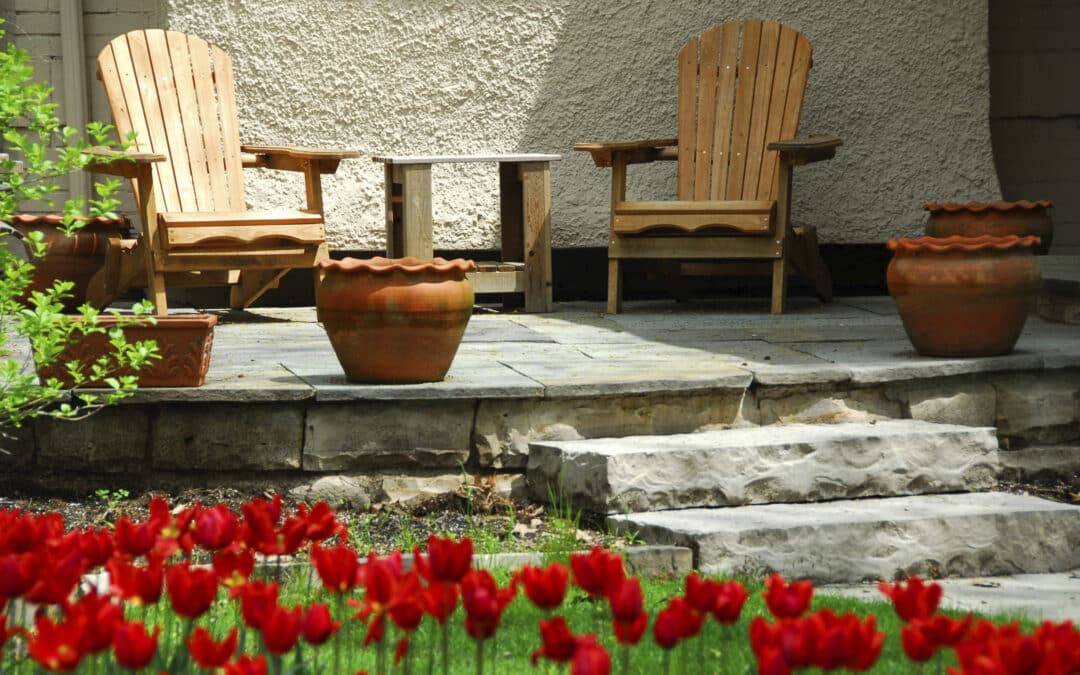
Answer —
(997, 219)
(183, 341)
(397, 320)
(75, 259)
(963, 296)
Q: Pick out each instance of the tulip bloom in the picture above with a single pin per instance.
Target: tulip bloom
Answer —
(591, 659)
(57, 646)
(484, 603)
(133, 647)
(914, 600)
(18, 572)
(628, 633)
(440, 600)
(246, 665)
(140, 584)
(558, 642)
(337, 567)
(787, 601)
(730, 599)
(626, 600)
(597, 572)
(208, 653)
(191, 589)
(546, 587)
(216, 527)
(319, 626)
(234, 568)
(321, 522)
(256, 600)
(665, 630)
(281, 629)
(918, 641)
(101, 618)
(447, 560)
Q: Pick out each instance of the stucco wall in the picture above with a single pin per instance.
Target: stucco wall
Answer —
(904, 83)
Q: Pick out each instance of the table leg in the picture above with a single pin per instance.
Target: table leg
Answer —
(511, 223)
(536, 230)
(408, 211)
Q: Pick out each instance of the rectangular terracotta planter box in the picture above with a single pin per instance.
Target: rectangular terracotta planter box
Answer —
(183, 341)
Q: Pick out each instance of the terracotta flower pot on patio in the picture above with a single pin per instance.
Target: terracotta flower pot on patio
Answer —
(998, 218)
(183, 341)
(76, 258)
(395, 320)
(963, 296)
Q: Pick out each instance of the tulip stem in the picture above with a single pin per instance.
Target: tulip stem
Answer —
(479, 657)
(626, 660)
(667, 662)
(341, 634)
(445, 627)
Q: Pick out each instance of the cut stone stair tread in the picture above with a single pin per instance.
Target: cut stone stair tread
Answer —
(973, 534)
(767, 464)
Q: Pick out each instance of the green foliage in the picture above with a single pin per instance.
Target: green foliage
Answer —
(42, 151)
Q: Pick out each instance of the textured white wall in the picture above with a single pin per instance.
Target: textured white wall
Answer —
(905, 83)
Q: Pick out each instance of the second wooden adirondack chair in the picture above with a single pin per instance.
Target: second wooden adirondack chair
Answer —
(740, 97)
(175, 91)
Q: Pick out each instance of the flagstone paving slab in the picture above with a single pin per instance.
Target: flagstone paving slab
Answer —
(975, 534)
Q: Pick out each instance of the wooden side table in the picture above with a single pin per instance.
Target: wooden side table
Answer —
(525, 215)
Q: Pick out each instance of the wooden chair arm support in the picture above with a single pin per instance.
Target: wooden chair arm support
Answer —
(293, 159)
(125, 164)
(799, 151)
(636, 152)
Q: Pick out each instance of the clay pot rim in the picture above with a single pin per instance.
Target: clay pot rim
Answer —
(409, 265)
(958, 242)
(29, 219)
(999, 205)
(170, 321)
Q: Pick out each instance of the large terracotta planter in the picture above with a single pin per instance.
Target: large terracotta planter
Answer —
(184, 343)
(395, 320)
(997, 219)
(964, 296)
(75, 259)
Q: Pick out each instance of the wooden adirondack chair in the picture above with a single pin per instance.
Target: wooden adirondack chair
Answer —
(175, 91)
(740, 96)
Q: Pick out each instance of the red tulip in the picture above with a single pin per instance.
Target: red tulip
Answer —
(101, 618)
(247, 665)
(322, 522)
(787, 601)
(665, 629)
(256, 600)
(133, 647)
(440, 600)
(281, 629)
(208, 653)
(484, 603)
(701, 593)
(259, 527)
(729, 602)
(234, 567)
(22, 532)
(18, 572)
(192, 590)
(216, 527)
(96, 546)
(558, 643)
(59, 572)
(591, 659)
(139, 584)
(380, 578)
(447, 560)
(597, 572)
(319, 626)
(176, 533)
(915, 600)
(337, 567)
(546, 587)
(626, 600)
(629, 632)
(56, 646)
(135, 540)
(405, 607)
(289, 537)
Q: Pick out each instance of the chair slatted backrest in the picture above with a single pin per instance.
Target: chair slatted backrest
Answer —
(176, 92)
(741, 87)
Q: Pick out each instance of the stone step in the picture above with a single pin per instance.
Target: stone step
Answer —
(847, 541)
(761, 465)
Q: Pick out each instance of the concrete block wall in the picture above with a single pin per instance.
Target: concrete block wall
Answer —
(1035, 107)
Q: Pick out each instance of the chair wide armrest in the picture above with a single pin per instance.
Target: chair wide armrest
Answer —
(293, 158)
(636, 152)
(801, 151)
(116, 163)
